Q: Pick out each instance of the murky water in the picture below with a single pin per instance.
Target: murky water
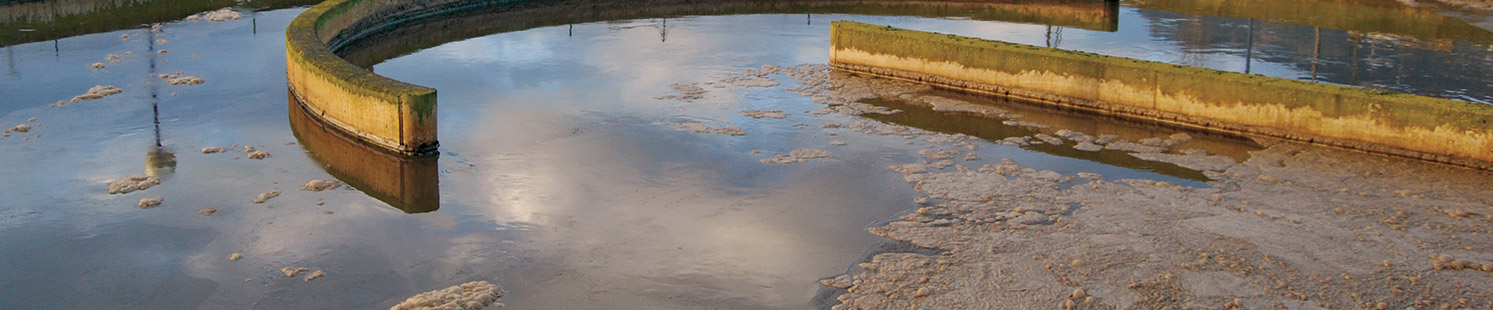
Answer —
(560, 176)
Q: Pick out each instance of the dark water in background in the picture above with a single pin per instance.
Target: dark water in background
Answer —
(560, 175)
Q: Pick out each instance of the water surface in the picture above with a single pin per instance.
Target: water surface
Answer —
(560, 175)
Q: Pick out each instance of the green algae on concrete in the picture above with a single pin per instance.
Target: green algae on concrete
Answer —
(1373, 120)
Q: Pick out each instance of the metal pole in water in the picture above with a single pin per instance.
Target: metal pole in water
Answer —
(1049, 36)
(1249, 49)
(1316, 53)
(1354, 40)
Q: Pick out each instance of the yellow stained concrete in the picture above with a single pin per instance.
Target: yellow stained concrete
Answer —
(1144, 98)
(388, 113)
(368, 117)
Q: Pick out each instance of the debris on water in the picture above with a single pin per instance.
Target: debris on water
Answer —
(1132, 147)
(266, 196)
(318, 185)
(840, 282)
(132, 183)
(163, 52)
(470, 295)
(207, 211)
(97, 65)
(22, 128)
(224, 14)
(235, 256)
(837, 143)
(751, 81)
(185, 80)
(258, 155)
(938, 154)
(150, 202)
(124, 36)
(796, 156)
(1178, 138)
(319, 202)
(1048, 139)
(178, 79)
(702, 128)
(97, 92)
(1191, 159)
(945, 104)
(293, 271)
(778, 114)
(1087, 146)
(113, 58)
(1026, 124)
(687, 92)
(1106, 139)
(971, 157)
(315, 275)
(212, 150)
(160, 41)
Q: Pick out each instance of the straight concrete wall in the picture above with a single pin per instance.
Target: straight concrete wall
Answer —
(1378, 121)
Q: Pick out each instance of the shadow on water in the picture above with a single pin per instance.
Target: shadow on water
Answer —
(430, 32)
(993, 129)
(23, 21)
(410, 184)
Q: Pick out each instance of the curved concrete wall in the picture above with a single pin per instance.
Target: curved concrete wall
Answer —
(402, 117)
(388, 113)
(1379, 121)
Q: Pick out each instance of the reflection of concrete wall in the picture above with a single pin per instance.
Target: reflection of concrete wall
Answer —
(411, 184)
(1372, 120)
(1377, 16)
(401, 116)
(991, 128)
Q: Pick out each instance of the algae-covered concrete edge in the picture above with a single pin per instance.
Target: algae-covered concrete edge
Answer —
(309, 57)
(1197, 97)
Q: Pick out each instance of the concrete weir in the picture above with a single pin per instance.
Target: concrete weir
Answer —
(329, 45)
(1433, 129)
